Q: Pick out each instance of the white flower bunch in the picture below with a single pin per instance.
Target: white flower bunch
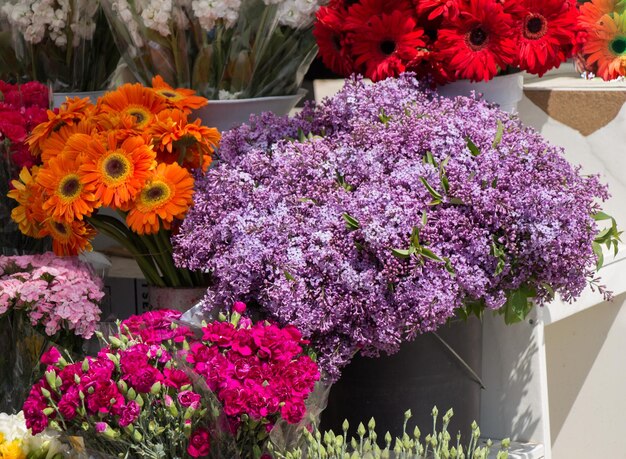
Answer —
(209, 12)
(13, 431)
(35, 19)
(297, 13)
(123, 10)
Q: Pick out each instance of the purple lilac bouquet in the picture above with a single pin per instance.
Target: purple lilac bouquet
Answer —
(385, 211)
(56, 294)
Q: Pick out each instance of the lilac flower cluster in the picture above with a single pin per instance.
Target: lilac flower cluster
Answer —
(400, 208)
(56, 294)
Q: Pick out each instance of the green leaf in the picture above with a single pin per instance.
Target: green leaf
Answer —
(415, 237)
(456, 201)
(424, 218)
(472, 147)
(288, 276)
(352, 223)
(518, 304)
(341, 181)
(401, 253)
(599, 216)
(431, 190)
(383, 117)
(597, 250)
(548, 288)
(301, 135)
(499, 133)
(430, 159)
(431, 255)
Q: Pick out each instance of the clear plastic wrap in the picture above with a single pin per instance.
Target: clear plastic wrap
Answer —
(252, 48)
(68, 43)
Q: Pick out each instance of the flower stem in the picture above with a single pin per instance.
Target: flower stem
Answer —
(121, 234)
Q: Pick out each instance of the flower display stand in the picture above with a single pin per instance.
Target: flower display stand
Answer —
(554, 383)
(556, 379)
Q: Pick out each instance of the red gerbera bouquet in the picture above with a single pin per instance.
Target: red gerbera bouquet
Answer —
(446, 39)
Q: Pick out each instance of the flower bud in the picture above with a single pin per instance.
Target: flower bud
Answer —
(51, 378)
(156, 388)
(48, 411)
(360, 430)
(372, 424)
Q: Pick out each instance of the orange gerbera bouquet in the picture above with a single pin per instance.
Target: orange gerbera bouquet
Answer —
(603, 31)
(134, 152)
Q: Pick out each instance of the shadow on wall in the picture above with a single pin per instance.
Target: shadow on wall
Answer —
(585, 374)
(511, 403)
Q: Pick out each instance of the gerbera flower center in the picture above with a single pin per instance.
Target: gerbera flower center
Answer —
(387, 47)
(477, 38)
(116, 167)
(169, 94)
(60, 228)
(70, 187)
(535, 26)
(155, 193)
(141, 115)
(618, 46)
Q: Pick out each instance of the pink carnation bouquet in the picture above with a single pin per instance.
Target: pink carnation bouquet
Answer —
(159, 389)
(42, 298)
(57, 295)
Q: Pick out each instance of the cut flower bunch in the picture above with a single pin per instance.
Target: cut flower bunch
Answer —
(603, 25)
(16, 441)
(134, 152)
(233, 380)
(43, 298)
(446, 40)
(22, 107)
(387, 210)
(67, 43)
(225, 49)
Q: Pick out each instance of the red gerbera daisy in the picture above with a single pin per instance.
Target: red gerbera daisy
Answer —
(360, 13)
(386, 44)
(432, 10)
(546, 33)
(478, 43)
(331, 39)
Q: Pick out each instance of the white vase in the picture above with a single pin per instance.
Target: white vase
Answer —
(227, 114)
(59, 97)
(504, 90)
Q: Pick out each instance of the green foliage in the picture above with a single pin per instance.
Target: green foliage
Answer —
(368, 445)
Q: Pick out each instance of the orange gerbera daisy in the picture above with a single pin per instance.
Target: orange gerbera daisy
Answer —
(68, 238)
(183, 99)
(592, 12)
(70, 139)
(166, 196)
(73, 110)
(136, 100)
(118, 172)
(29, 213)
(177, 140)
(66, 197)
(606, 47)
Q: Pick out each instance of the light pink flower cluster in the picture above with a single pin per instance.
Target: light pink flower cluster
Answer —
(56, 294)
